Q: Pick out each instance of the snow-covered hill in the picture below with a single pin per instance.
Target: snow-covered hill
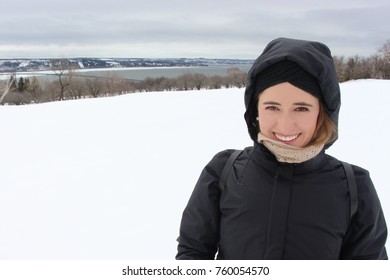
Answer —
(108, 178)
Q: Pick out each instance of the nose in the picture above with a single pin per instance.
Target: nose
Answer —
(286, 123)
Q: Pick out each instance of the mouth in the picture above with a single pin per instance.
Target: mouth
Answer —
(286, 139)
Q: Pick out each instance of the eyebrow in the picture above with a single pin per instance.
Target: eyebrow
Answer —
(295, 104)
(303, 104)
(271, 103)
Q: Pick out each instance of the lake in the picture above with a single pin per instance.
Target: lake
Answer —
(143, 73)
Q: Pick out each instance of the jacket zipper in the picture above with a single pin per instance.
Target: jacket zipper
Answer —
(276, 177)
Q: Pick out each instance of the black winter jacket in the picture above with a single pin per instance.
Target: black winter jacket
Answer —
(273, 210)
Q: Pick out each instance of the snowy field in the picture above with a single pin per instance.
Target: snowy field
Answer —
(108, 178)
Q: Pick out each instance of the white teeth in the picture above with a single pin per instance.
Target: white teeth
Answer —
(286, 138)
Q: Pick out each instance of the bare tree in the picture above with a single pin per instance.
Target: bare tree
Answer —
(63, 71)
(339, 63)
(385, 53)
(237, 77)
(94, 86)
(18, 98)
(385, 50)
(167, 84)
(376, 67)
(111, 85)
(185, 82)
(34, 88)
(199, 81)
(215, 82)
(77, 88)
(115, 84)
(7, 87)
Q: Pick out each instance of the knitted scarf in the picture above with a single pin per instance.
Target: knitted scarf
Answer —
(288, 153)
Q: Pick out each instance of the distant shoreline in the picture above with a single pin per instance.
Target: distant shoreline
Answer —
(9, 66)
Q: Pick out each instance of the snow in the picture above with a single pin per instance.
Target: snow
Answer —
(108, 178)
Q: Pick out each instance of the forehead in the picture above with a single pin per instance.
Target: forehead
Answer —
(286, 93)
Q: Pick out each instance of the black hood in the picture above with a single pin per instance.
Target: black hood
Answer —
(314, 57)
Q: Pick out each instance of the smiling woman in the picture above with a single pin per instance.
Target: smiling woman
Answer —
(288, 114)
(285, 198)
(298, 90)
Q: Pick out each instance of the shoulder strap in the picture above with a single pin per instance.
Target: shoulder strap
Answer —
(227, 167)
(353, 195)
(351, 180)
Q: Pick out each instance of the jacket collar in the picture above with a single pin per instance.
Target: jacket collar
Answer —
(263, 157)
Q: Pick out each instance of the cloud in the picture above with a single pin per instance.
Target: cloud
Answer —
(188, 28)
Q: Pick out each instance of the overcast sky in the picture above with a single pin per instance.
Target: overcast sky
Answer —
(184, 28)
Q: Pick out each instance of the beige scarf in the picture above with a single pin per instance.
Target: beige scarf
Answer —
(288, 153)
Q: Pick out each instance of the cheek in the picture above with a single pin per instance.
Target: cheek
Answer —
(265, 122)
(309, 124)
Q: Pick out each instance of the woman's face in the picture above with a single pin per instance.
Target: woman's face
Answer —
(288, 114)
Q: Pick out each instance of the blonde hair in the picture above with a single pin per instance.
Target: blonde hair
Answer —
(326, 129)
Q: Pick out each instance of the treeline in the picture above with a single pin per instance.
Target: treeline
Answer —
(358, 67)
(376, 66)
(193, 81)
(69, 85)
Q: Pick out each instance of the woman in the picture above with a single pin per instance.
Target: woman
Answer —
(285, 198)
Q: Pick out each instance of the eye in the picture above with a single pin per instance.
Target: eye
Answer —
(271, 108)
(302, 109)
